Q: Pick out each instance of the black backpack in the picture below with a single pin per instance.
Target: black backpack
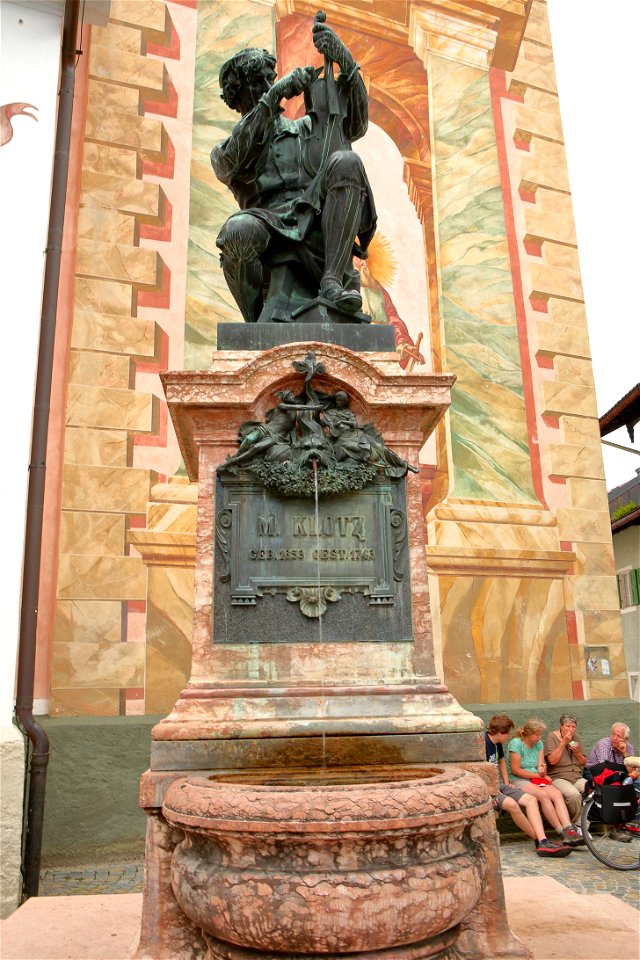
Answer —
(613, 803)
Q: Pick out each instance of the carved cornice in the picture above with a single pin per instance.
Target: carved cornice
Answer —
(380, 18)
(477, 562)
(418, 178)
(483, 33)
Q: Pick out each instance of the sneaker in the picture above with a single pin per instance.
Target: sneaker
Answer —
(547, 848)
(572, 836)
(620, 835)
(633, 827)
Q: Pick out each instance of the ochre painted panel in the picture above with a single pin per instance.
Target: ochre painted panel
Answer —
(84, 702)
(505, 638)
(169, 624)
(88, 621)
(105, 448)
(98, 664)
(94, 534)
(101, 578)
(115, 490)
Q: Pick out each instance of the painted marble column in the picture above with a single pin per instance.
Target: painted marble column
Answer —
(167, 548)
(488, 449)
(495, 555)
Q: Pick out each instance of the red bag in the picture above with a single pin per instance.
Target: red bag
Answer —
(606, 775)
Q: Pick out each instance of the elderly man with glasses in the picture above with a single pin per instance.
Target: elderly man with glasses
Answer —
(565, 756)
(614, 749)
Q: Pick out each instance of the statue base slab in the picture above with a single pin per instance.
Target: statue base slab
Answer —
(359, 337)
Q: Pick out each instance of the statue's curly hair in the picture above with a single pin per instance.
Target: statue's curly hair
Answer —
(240, 69)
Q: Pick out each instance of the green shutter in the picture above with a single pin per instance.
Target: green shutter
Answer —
(635, 587)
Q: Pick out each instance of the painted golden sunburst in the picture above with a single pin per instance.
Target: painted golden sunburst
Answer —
(382, 262)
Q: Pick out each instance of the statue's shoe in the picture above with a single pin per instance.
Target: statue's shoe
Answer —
(349, 300)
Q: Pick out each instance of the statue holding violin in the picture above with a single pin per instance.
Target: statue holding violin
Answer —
(306, 205)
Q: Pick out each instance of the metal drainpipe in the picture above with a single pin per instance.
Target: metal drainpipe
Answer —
(32, 846)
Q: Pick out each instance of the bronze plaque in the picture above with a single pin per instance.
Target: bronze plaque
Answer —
(283, 556)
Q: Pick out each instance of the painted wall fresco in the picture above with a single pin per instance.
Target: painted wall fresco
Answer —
(223, 29)
(489, 442)
(558, 379)
(131, 149)
(476, 266)
(506, 639)
(8, 113)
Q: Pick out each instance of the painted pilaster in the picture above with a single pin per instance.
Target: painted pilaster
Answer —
(120, 277)
(167, 547)
(489, 450)
(562, 378)
(496, 560)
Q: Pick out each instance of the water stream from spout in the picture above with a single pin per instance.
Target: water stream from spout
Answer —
(314, 464)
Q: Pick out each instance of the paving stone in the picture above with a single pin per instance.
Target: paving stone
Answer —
(580, 872)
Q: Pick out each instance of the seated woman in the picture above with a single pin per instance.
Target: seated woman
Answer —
(527, 770)
(511, 798)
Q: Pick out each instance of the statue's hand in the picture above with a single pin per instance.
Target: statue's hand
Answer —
(330, 45)
(294, 83)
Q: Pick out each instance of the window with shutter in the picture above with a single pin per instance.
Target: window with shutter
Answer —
(624, 588)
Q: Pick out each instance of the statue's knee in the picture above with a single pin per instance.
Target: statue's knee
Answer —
(243, 237)
(345, 167)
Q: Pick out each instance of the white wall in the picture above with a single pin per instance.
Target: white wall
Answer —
(595, 47)
(29, 58)
(29, 66)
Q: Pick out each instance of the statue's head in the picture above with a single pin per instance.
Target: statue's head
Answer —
(244, 70)
(341, 399)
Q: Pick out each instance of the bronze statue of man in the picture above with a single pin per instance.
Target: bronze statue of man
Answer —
(306, 205)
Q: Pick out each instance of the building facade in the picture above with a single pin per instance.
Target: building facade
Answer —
(466, 157)
(477, 263)
(624, 504)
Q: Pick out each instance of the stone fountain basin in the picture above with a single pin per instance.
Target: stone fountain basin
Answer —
(328, 861)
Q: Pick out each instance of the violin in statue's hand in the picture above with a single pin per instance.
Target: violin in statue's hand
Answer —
(329, 44)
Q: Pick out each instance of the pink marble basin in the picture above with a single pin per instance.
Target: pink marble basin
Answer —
(329, 861)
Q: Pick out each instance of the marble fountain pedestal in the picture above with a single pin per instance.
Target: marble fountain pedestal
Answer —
(315, 791)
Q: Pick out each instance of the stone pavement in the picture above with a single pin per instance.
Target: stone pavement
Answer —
(88, 879)
(553, 922)
(580, 872)
(570, 909)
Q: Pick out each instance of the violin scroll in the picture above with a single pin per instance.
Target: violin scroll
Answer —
(327, 42)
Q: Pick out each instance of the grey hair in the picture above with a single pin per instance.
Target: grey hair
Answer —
(627, 730)
(568, 718)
